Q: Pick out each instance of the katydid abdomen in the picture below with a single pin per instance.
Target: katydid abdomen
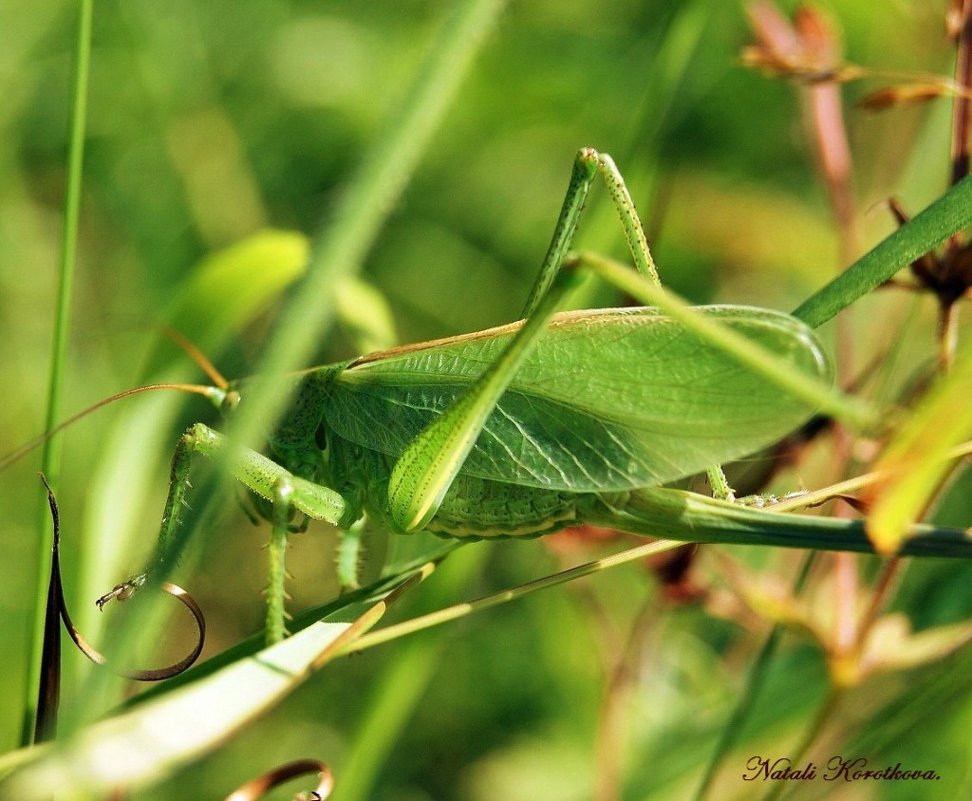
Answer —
(480, 509)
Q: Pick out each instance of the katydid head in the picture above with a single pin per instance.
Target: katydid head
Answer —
(227, 402)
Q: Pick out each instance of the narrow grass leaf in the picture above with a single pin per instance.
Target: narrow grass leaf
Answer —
(372, 194)
(810, 388)
(51, 458)
(915, 462)
(950, 213)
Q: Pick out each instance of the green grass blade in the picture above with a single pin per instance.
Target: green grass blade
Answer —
(950, 213)
(820, 394)
(372, 194)
(461, 610)
(754, 682)
(916, 459)
(688, 516)
(385, 718)
(52, 447)
(395, 696)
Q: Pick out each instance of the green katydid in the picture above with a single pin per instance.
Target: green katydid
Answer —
(528, 428)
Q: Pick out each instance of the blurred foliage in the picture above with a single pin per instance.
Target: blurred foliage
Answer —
(211, 123)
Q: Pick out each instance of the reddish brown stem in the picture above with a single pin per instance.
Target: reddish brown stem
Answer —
(962, 109)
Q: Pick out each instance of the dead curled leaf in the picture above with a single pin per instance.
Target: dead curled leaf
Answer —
(908, 94)
(257, 788)
(56, 596)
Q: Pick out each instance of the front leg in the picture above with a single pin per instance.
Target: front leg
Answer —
(262, 476)
(276, 591)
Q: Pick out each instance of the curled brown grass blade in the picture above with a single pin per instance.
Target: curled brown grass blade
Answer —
(257, 788)
(58, 607)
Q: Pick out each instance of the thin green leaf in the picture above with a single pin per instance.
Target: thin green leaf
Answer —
(947, 215)
(915, 461)
(373, 192)
(688, 516)
(505, 596)
(52, 447)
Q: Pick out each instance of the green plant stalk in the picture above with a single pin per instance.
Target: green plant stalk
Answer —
(948, 214)
(51, 457)
(393, 703)
(751, 356)
(399, 689)
(486, 602)
(830, 703)
(341, 248)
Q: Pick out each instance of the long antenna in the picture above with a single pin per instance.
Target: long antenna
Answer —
(212, 393)
(200, 358)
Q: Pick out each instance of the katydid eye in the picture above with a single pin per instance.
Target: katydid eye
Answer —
(230, 402)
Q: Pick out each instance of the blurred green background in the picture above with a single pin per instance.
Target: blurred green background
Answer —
(209, 123)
